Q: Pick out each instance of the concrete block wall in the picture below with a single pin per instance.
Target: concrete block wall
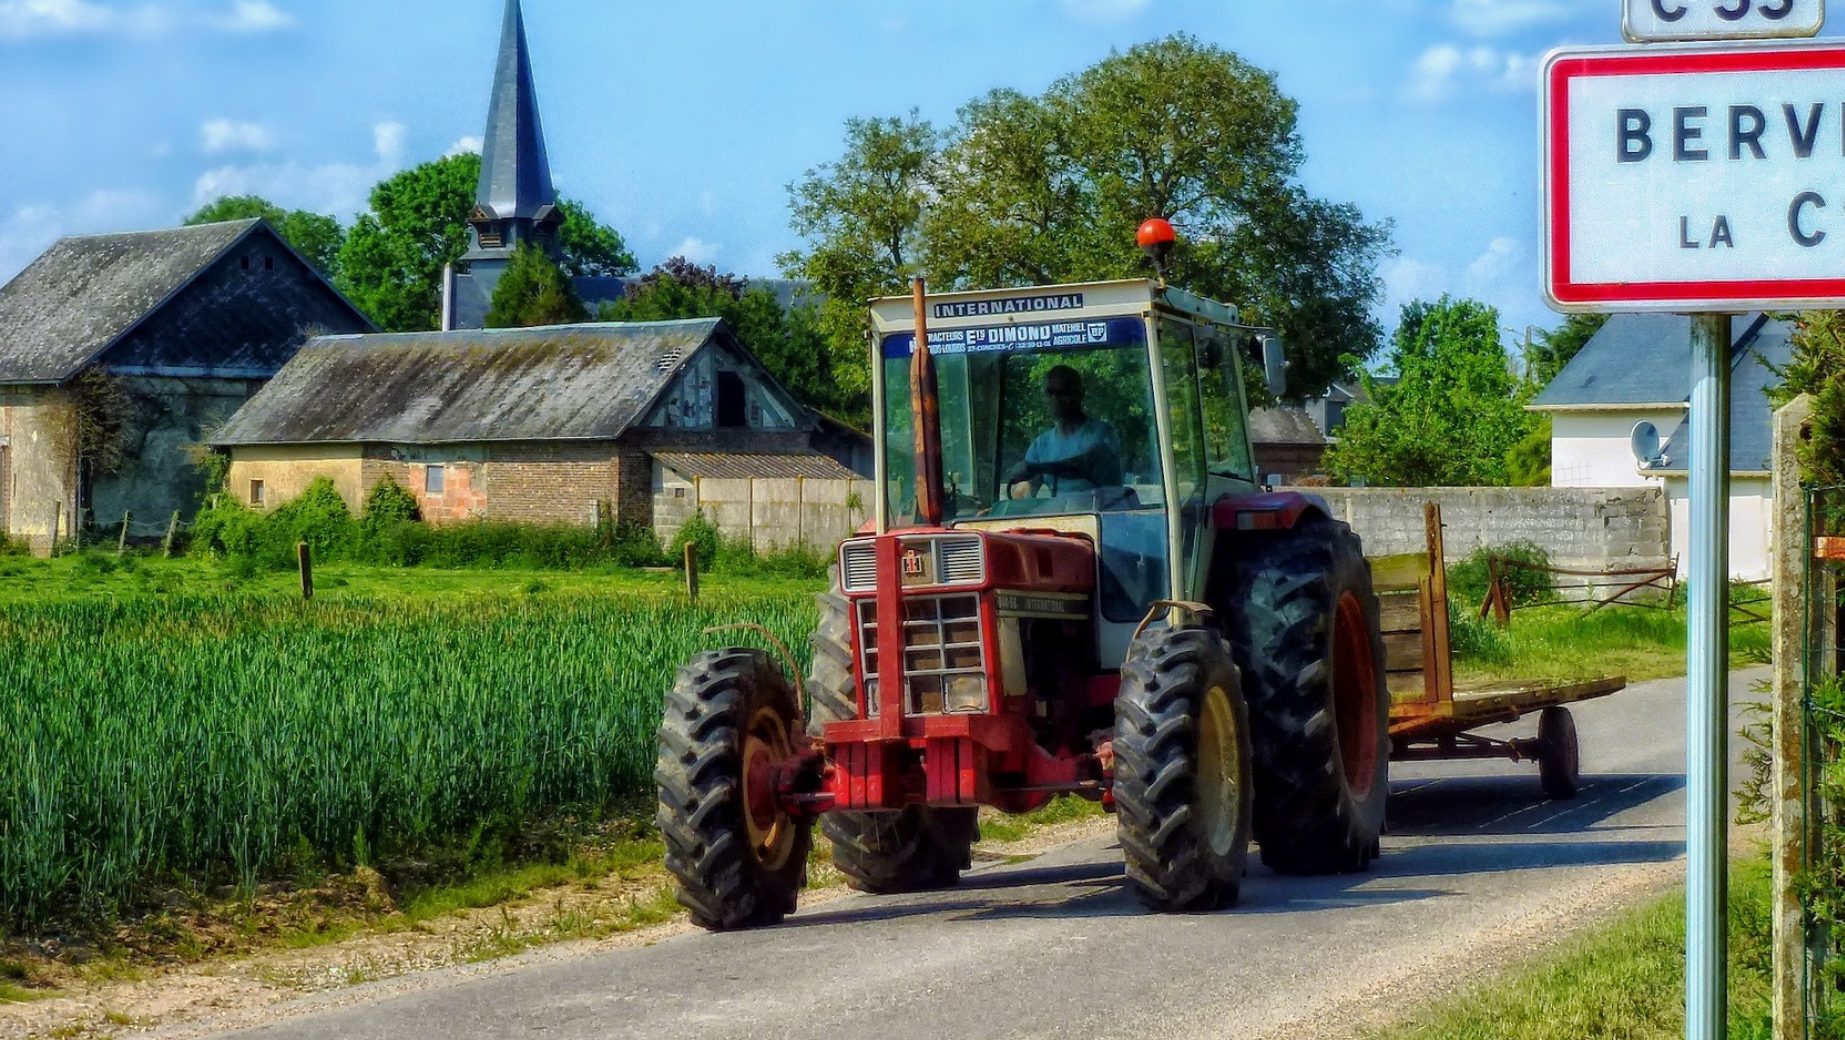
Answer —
(774, 513)
(1578, 527)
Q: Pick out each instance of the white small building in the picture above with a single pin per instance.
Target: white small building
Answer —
(1638, 368)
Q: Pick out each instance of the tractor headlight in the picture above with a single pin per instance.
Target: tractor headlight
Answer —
(965, 695)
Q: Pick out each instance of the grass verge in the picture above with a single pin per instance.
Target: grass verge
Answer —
(1567, 643)
(1624, 980)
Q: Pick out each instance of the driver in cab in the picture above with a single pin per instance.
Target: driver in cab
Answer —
(1078, 452)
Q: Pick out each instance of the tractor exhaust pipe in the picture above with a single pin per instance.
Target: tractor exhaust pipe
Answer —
(925, 405)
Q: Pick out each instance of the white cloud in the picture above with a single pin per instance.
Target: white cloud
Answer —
(28, 230)
(217, 136)
(697, 250)
(340, 189)
(1104, 10)
(26, 19)
(1500, 17)
(1406, 280)
(465, 146)
(1487, 276)
(253, 16)
(1445, 68)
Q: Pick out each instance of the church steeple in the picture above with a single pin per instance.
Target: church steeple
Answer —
(515, 202)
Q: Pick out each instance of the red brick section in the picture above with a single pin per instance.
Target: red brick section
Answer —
(533, 482)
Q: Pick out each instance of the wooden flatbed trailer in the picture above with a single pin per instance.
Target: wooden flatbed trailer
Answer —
(1430, 718)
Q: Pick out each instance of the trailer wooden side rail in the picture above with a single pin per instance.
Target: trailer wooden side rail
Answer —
(1430, 718)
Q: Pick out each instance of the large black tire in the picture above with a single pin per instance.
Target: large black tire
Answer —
(1302, 619)
(1182, 770)
(1559, 754)
(729, 709)
(908, 851)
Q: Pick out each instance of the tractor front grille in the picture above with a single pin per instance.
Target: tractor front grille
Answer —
(944, 659)
(954, 559)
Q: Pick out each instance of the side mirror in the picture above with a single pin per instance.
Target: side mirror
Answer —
(1275, 365)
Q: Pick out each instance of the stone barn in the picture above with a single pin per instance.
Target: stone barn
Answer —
(119, 354)
(536, 425)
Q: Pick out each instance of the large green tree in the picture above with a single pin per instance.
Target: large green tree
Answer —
(316, 236)
(789, 342)
(391, 265)
(1049, 188)
(1454, 413)
(533, 291)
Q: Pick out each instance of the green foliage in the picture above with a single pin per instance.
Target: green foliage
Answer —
(389, 503)
(1476, 640)
(1818, 368)
(1469, 578)
(703, 536)
(1823, 886)
(1049, 188)
(590, 247)
(391, 263)
(224, 738)
(534, 291)
(1527, 464)
(315, 236)
(1454, 415)
(790, 344)
(1555, 348)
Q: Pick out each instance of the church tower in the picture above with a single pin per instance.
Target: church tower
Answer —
(515, 202)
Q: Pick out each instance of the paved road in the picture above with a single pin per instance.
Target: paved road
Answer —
(1477, 866)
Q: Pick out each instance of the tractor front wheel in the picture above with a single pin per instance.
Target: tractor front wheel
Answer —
(731, 723)
(1182, 770)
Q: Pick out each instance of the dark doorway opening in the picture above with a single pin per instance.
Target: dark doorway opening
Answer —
(732, 411)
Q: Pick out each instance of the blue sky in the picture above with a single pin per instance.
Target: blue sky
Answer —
(681, 124)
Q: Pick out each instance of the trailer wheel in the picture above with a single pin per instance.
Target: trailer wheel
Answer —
(907, 851)
(739, 861)
(1182, 770)
(1559, 755)
(1303, 623)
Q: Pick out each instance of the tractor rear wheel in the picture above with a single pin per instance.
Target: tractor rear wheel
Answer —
(731, 720)
(906, 851)
(1303, 623)
(1182, 770)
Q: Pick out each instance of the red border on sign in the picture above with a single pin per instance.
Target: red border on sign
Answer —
(1565, 69)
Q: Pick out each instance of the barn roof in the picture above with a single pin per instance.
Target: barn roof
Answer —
(714, 465)
(1283, 424)
(1636, 359)
(562, 382)
(84, 294)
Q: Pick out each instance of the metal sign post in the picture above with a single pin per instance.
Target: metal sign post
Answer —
(1707, 724)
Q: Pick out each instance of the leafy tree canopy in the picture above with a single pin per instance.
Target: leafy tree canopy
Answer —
(1818, 368)
(534, 291)
(315, 236)
(391, 265)
(1555, 348)
(1049, 188)
(1453, 415)
(789, 343)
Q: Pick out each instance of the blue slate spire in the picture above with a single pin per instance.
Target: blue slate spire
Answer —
(515, 201)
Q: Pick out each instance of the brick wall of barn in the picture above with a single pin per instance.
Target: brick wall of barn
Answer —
(536, 482)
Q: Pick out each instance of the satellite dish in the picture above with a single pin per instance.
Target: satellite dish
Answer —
(1645, 443)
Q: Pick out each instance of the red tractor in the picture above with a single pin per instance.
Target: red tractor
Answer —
(1076, 584)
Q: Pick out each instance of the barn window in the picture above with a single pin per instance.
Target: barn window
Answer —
(731, 401)
(256, 493)
(490, 238)
(434, 479)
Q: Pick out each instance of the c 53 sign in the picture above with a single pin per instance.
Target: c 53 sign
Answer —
(1695, 179)
(1654, 21)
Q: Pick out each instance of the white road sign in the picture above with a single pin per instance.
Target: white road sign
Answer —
(1695, 179)
(1654, 21)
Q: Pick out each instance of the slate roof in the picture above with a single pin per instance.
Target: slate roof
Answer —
(563, 382)
(1634, 359)
(85, 293)
(1287, 424)
(739, 465)
(1751, 414)
(515, 174)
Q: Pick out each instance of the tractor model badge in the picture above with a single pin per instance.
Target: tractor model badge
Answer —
(916, 561)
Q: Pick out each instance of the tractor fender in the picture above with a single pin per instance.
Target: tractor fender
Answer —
(1266, 511)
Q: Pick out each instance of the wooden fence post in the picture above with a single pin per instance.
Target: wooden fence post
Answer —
(166, 545)
(121, 542)
(691, 571)
(1792, 830)
(304, 556)
(57, 521)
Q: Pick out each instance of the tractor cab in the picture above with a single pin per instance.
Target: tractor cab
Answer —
(1112, 411)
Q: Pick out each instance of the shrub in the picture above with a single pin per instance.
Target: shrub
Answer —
(1468, 579)
(389, 503)
(703, 535)
(318, 517)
